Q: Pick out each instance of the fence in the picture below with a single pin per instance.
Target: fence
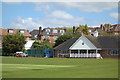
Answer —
(36, 53)
(40, 52)
(84, 55)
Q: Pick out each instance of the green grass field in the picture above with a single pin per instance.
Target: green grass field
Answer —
(59, 68)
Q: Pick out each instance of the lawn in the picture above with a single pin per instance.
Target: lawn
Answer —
(14, 67)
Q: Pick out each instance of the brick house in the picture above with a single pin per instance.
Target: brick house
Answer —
(50, 33)
(14, 31)
(89, 47)
(109, 29)
(34, 34)
(114, 28)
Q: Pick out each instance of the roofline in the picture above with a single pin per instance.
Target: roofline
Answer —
(54, 28)
(14, 29)
(60, 45)
(80, 38)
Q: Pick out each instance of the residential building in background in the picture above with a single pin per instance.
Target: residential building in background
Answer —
(34, 34)
(93, 31)
(115, 29)
(14, 31)
(50, 33)
(28, 36)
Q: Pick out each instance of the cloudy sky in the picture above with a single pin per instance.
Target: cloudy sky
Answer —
(31, 15)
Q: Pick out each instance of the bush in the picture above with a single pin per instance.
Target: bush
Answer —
(7, 54)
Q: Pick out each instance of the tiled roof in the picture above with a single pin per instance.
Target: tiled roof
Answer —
(115, 27)
(104, 42)
(93, 28)
(93, 40)
(5, 32)
(66, 45)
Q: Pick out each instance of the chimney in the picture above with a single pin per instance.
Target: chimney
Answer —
(101, 26)
(65, 30)
(117, 25)
(39, 35)
(73, 29)
(40, 30)
(108, 29)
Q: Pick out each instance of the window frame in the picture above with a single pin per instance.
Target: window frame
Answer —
(61, 31)
(22, 31)
(55, 31)
(9, 31)
(55, 37)
(47, 31)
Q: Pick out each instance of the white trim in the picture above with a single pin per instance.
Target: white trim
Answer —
(99, 48)
(77, 42)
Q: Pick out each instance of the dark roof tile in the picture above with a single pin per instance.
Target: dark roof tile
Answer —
(104, 42)
(66, 45)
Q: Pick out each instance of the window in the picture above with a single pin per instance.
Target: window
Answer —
(114, 52)
(22, 31)
(111, 27)
(10, 31)
(49, 41)
(54, 31)
(82, 43)
(61, 31)
(47, 37)
(108, 52)
(89, 30)
(116, 33)
(43, 37)
(47, 31)
(27, 38)
(55, 37)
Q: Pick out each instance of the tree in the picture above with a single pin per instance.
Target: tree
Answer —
(70, 30)
(13, 43)
(43, 45)
(85, 30)
(36, 44)
(106, 25)
(62, 39)
(65, 37)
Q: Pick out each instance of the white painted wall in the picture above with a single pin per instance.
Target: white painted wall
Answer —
(78, 44)
(96, 33)
(29, 43)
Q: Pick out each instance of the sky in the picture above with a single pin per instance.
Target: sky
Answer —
(32, 15)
